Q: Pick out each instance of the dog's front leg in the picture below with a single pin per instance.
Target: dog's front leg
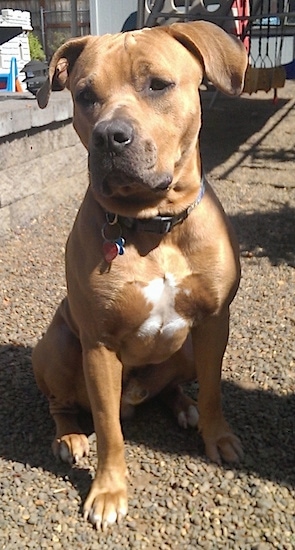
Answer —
(107, 498)
(209, 341)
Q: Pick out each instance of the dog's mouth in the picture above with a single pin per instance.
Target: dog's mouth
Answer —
(117, 182)
(125, 168)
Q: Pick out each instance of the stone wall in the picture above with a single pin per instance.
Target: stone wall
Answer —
(42, 161)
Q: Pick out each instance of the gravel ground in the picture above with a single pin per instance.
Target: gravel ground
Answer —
(177, 499)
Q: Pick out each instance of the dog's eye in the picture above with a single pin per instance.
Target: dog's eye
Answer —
(159, 85)
(86, 97)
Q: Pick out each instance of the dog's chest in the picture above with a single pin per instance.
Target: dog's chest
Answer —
(163, 318)
(158, 318)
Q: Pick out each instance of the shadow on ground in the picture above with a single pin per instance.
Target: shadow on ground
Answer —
(269, 234)
(231, 122)
(263, 420)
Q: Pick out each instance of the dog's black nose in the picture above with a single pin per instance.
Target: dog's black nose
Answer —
(112, 136)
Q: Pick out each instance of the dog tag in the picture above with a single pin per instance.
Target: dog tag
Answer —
(120, 243)
(110, 250)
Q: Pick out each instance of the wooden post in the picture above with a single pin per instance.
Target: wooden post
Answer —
(74, 17)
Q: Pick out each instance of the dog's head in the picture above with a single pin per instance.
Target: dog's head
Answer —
(137, 108)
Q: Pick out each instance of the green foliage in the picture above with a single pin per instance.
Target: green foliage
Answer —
(36, 49)
(57, 39)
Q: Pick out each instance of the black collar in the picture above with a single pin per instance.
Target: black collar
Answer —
(161, 224)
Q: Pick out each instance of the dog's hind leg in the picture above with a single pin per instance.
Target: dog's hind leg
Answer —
(183, 407)
(70, 443)
(57, 364)
(163, 380)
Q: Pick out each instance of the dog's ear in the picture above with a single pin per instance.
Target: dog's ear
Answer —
(60, 68)
(223, 55)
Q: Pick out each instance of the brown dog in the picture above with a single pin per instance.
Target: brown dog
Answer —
(152, 262)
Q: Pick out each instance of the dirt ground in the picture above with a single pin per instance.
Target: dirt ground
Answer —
(177, 499)
(252, 137)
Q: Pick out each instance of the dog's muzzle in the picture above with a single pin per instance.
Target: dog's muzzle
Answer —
(113, 136)
(119, 158)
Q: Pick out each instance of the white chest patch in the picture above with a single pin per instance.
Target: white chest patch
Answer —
(163, 319)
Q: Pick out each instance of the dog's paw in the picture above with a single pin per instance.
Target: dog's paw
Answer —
(71, 448)
(188, 417)
(106, 502)
(224, 446)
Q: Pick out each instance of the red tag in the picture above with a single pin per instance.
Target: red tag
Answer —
(110, 251)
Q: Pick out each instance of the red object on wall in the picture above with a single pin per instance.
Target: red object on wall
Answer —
(241, 8)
